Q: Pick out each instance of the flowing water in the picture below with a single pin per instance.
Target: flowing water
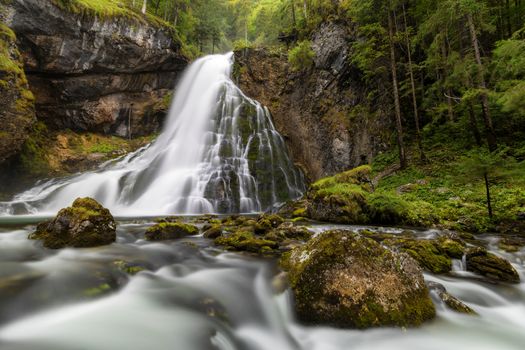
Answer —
(218, 153)
(188, 295)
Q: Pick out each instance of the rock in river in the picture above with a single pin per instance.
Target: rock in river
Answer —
(85, 224)
(343, 279)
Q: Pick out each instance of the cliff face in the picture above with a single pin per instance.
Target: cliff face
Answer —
(315, 110)
(90, 73)
(17, 113)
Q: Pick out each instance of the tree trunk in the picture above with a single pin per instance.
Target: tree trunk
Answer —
(489, 129)
(144, 4)
(305, 9)
(413, 88)
(474, 124)
(294, 22)
(507, 13)
(399, 125)
(487, 189)
(448, 93)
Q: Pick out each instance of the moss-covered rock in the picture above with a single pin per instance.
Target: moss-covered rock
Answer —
(213, 232)
(343, 279)
(243, 240)
(480, 261)
(288, 232)
(170, 230)
(266, 222)
(85, 224)
(426, 252)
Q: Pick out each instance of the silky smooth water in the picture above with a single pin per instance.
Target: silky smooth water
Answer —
(191, 296)
(218, 153)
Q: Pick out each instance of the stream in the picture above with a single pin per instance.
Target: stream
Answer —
(187, 294)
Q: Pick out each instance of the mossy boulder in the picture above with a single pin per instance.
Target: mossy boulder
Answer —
(85, 224)
(266, 222)
(170, 230)
(288, 231)
(343, 279)
(243, 240)
(213, 232)
(480, 261)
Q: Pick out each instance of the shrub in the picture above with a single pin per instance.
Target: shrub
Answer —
(301, 57)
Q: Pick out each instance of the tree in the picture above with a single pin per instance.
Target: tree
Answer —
(480, 163)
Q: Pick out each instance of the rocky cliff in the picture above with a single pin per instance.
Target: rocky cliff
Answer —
(317, 110)
(94, 72)
(17, 113)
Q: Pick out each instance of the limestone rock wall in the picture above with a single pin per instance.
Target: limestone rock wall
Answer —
(87, 73)
(316, 110)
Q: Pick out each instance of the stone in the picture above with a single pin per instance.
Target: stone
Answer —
(213, 232)
(343, 279)
(170, 230)
(85, 224)
(246, 241)
(449, 300)
(480, 261)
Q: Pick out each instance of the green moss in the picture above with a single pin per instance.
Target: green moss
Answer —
(128, 268)
(243, 240)
(170, 230)
(427, 253)
(97, 291)
(319, 275)
(85, 224)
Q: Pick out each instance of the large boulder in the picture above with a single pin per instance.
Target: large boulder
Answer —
(480, 261)
(343, 279)
(85, 224)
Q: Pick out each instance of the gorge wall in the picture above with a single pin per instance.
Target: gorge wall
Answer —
(316, 110)
(87, 71)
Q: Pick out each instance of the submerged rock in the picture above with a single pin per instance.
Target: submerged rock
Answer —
(451, 301)
(85, 224)
(480, 261)
(345, 280)
(170, 230)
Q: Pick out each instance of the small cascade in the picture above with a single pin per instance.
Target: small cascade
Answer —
(218, 153)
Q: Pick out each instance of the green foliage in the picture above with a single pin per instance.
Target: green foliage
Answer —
(301, 57)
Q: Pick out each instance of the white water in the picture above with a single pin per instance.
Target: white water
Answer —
(219, 153)
(189, 298)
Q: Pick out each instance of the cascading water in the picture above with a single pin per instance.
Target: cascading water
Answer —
(219, 153)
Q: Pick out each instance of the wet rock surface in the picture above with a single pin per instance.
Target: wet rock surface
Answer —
(311, 108)
(482, 262)
(17, 113)
(85, 224)
(90, 73)
(343, 279)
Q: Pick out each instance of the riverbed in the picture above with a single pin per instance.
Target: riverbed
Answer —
(187, 294)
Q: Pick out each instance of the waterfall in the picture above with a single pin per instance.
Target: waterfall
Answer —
(219, 152)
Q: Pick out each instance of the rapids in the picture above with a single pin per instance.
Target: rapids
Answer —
(219, 152)
(191, 296)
